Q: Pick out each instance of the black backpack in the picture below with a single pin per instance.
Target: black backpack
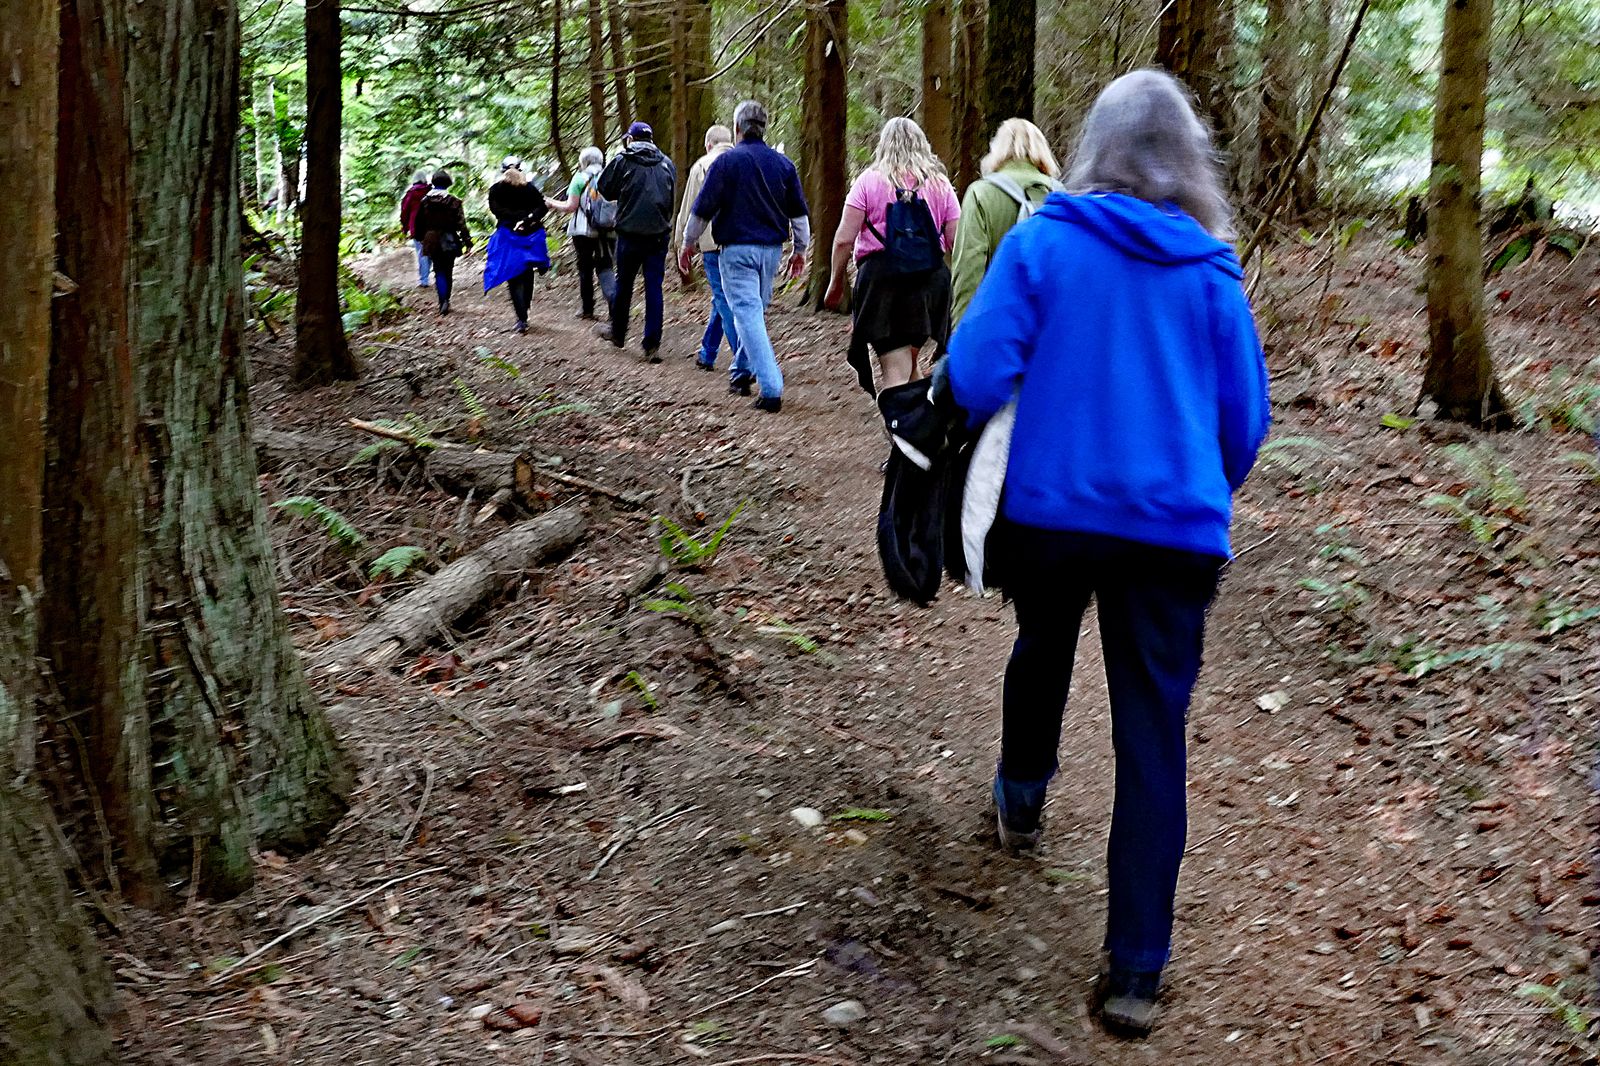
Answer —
(911, 243)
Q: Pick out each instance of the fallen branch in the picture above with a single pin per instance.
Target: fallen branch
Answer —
(309, 922)
(429, 610)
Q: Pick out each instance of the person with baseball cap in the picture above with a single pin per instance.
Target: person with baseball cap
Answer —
(641, 180)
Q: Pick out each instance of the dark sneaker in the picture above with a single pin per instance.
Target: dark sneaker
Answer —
(444, 307)
(652, 355)
(586, 316)
(742, 384)
(1127, 1001)
(770, 404)
(1018, 810)
(520, 327)
(703, 365)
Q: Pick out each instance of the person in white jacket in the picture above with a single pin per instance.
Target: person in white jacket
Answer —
(718, 140)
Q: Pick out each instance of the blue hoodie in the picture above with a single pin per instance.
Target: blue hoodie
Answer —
(1123, 330)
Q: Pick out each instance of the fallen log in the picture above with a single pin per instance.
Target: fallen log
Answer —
(428, 611)
(278, 449)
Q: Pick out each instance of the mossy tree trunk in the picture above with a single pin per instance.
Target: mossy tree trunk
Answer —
(970, 126)
(54, 992)
(650, 27)
(244, 752)
(1008, 63)
(1460, 377)
(597, 75)
(619, 64)
(321, 351)
(822, 135)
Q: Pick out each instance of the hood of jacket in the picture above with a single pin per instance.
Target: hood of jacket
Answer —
(1142, 230)
(644, 153)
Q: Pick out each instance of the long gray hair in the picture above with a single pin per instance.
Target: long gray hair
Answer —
(1142, 137)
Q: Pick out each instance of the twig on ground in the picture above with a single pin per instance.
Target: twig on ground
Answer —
(623, 841)
(632, 499)
(309, 922)
(422, 805)
(787, 1056)
(794, 971)
(777, 910)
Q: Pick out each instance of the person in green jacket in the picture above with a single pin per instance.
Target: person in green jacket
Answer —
(1019, 164)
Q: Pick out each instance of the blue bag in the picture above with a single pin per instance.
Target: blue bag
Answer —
(512, 253)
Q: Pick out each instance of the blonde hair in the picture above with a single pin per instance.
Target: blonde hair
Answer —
(514, 176)
(904, 151)
(1019, 139)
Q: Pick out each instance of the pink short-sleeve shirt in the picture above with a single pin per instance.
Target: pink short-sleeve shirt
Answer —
(872, 193)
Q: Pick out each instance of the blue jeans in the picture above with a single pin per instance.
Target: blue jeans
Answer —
(747, 274)
(1152, 606)
(423, 266)
(721, 324)
(636, 255)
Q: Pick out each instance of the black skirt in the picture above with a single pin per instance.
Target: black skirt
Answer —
(896, 311)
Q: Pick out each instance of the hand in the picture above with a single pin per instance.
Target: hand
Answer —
(686, 259)
(797, 265)
(835, 294)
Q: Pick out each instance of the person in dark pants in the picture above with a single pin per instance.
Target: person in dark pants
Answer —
(441, 224)
(591, 245)
(518, 242)
(641, 180)
(1116, 321)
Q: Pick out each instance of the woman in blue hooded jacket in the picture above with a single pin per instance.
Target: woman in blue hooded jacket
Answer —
(1116, 319)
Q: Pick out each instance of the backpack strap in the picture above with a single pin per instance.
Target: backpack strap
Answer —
(1013, 188)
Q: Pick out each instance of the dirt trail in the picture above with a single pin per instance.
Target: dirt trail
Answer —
(1375, 864)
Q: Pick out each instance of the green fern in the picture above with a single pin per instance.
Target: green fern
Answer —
(1293, 455)
(559, 409)
(499, 362)
(396, 562)
(800, 639)
(685, 549)
(337, 526)
(470, 400)
(645, 693)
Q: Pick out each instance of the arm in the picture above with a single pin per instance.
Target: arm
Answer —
(1245, 411)
(801, 228)
(691, 190)
(610, 178)
(990, 352)
(566, 207)
(969, 256)
(461, 224)
(844, 241)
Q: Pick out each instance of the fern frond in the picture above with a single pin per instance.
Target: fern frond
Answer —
(396, 562)
(337, 525)
(470, 400)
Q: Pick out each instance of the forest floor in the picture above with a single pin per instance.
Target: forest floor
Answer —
(572, 839)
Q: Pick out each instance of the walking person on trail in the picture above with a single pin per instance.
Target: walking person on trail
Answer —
(752, 202)
(441, 224)
(517, 247)
(593, 245)
(1117, 320)
(719, 139)
(899, 220)
(641, 180)
(408, 218)
(1018, 173)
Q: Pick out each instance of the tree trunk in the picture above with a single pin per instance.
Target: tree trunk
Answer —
(702, 99)
(246, 754)
(937, 115)
(54, 993)
(822, 134)
(556, 145)
(1460, 377)
(321, 352)
(289, 152)
(970, 124)
(619, 63)
(90, 620)
(1008, 65)
(651, 29)
(680, 144)
(1194, 39)
(1277, 123)
(597, 77)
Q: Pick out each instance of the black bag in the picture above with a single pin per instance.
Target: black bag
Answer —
(916, 479)
(449, 242)
(911, 243)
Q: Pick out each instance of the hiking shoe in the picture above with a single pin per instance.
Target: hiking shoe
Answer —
(652, 355)
(770, 404)
(703, 365)
(586, 316)
(603, 331)
(1017, 814)
(520, 327)
(741, 384)
(1127, 1001)
(444, 307)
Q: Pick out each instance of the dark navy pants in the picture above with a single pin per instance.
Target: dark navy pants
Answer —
(635, 256)
(1152, 606)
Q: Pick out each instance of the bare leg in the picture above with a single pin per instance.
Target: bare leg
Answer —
(896, 367)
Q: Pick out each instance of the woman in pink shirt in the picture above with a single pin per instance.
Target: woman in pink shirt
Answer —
(899, 221)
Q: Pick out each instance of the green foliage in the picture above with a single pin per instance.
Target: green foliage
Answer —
(1295, 456)
(677, 601)
(1586, 463)
(682, 548)
(799, 639)
(559, 409)
(647, 694)
(1002, 1042)
(314, 510)
(396, 562)
(1493, 503)
(363, 305)
(499, 362)
(1565, 401)
(1551, 616)
(863, 814)
(1417, 659)
(412, 425)
(1576, 1018)
(1390, 420)
(469, 399)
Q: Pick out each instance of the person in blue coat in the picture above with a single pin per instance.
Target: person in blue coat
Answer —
(1116, 319)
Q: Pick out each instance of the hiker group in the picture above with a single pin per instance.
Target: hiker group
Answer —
(1097, 395)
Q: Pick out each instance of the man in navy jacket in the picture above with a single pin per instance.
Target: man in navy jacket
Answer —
(641, 180)
(753, 203)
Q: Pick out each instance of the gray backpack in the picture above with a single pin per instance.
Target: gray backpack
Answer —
(1013, 188)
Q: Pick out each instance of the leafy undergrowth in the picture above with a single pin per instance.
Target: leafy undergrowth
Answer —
(682, 793)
